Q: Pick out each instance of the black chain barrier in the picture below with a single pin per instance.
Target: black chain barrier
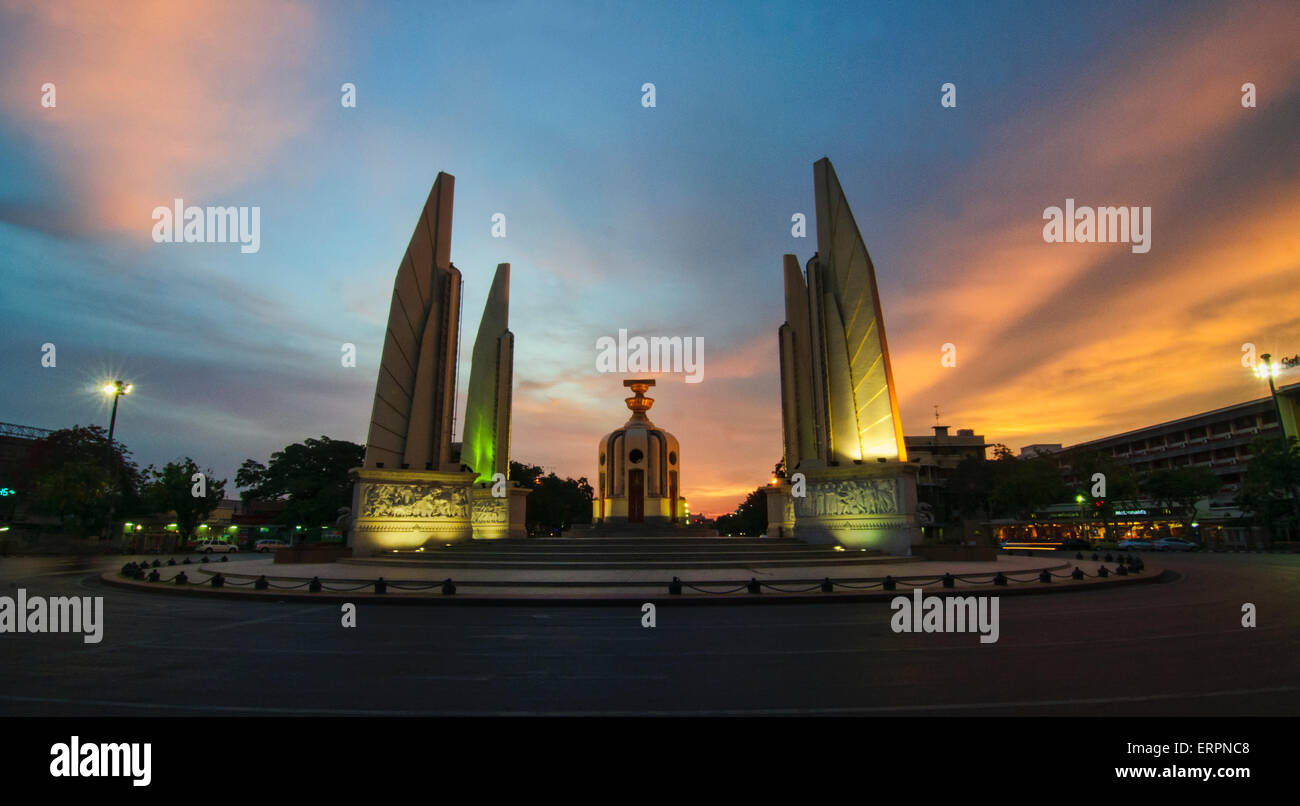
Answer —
(702, 590)
(795, 590)
(1126, 565)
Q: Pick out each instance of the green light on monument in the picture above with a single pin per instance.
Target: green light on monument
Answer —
(485, 444)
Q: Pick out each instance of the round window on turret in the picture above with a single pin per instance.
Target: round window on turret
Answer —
(672, 457)
(635, 456)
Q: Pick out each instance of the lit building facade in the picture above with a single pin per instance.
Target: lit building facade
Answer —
(1218, 440)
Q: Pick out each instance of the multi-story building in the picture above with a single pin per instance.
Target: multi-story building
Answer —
(1218, 440)
(15, 446)
(938, 455)
(1040, 449)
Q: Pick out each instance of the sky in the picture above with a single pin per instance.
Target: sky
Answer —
(668, 220)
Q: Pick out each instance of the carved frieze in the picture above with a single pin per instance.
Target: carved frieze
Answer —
(414, 501)
(849, 497)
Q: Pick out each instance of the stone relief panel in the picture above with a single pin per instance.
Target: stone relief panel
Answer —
(850, 497)
(414, 501)
(490, 510)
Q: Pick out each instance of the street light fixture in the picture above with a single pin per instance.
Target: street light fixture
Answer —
(1267, 369)
(116, 389)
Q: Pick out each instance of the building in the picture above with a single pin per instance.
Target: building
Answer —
(1218, 440)
(15, 447)
(936, 457)
(1040, 449)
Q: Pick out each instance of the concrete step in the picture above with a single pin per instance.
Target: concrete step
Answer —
(637, 530)
(536, 564)
(580, 543)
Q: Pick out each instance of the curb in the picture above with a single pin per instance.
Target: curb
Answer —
(661, 598)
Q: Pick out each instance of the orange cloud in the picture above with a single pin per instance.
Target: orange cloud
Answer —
(156, 100)
(1070, 342)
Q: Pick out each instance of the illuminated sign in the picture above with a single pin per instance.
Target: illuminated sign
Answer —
(1130, 512)
(8, 491)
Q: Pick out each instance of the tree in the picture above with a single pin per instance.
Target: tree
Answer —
(750, 518)
(1180, 489)
(1007, 487)
(73, 475)
(1121, 486)
(970, 487)
(311, 476)
(173, 488)
(1269, 488)
(554, 504)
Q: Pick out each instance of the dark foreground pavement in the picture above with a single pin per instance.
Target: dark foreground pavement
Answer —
(1172, 649)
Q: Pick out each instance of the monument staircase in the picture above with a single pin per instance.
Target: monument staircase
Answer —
(641, 552)
(638, 530)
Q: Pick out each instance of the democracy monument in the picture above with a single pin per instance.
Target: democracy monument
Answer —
(848, 481)
(416, 486)
(847, 478)
(433, 518)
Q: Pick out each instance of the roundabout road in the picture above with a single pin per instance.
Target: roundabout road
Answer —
(1175, 648)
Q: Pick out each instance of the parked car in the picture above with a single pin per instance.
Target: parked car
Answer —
(1135, 544)
(270, 545)
(209, 546)
(1175, 544)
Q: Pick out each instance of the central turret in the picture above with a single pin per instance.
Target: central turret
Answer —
(638, 468)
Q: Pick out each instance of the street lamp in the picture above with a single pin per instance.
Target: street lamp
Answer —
(116, 389)
(1267, 369)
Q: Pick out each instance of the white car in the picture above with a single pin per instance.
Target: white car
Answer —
(1135, 544)
(1175, 544)
(209, 546)
(270, 545)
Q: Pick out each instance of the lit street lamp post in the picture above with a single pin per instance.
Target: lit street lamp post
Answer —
(116, 389)
(1270, 371)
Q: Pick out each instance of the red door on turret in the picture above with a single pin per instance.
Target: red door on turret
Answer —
(635, 496)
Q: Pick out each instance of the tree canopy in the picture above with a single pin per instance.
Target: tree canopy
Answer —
(750, 518)
(1270, 487)
(554, 504)
(72, 474)
(1180, 488)
(173, 489)
(311, 476)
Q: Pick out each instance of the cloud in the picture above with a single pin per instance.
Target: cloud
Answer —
(1058, 341)
(156, 100)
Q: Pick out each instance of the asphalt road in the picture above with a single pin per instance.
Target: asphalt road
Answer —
(1174, 648)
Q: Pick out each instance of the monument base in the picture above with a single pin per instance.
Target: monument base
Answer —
(405, 509)
(495, 518)
(866, 506)
(780, 510)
